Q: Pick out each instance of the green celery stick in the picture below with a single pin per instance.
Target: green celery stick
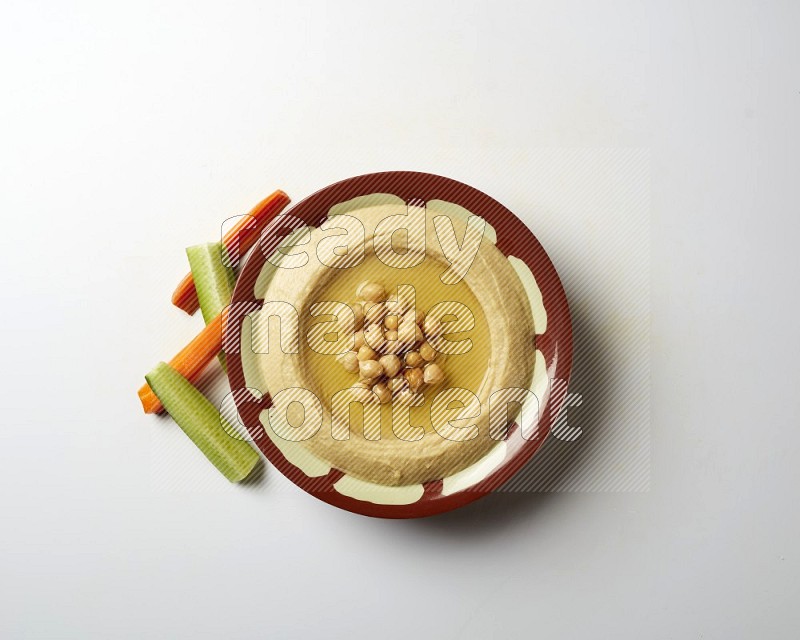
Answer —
(212, 279)
(202, 422)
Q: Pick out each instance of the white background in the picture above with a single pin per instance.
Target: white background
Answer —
(128, 131)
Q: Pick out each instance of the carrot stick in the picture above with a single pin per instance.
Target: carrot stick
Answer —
(259, 217)
(191, 360)
(185, 296)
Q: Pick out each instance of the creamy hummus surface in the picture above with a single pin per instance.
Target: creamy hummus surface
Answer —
(413, 444)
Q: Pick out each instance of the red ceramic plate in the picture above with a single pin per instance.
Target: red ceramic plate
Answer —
(553, 343)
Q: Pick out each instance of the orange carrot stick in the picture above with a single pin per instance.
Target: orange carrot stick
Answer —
(259, 217)
(185, 296)
(190, 362)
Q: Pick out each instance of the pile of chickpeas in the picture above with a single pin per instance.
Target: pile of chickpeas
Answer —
(385, 362)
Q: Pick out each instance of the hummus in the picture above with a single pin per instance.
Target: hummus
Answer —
(313, 268)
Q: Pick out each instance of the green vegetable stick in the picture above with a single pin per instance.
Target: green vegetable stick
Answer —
(202, 422)
(212, 279)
